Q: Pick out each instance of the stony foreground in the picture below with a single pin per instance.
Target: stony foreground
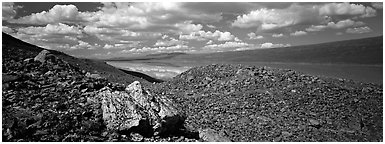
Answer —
(264, 104)
(47, 99)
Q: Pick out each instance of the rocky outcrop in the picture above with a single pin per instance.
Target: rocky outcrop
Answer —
(136, 109)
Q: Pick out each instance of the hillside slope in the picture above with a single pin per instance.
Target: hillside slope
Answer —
(50, 96)
(265, 104)
(17, 50)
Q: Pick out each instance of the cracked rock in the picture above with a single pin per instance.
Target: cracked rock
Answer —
(135, 109)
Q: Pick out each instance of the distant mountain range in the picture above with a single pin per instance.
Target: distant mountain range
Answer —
(357, 51)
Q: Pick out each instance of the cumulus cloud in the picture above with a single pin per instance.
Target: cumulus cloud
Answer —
(314, 28)
(7, 30)
(53, 36)
(271, 45)
(57, 14)
(187, 27)
(211, 26)
(298, 33)
(122, 45)
(175, 48)
(51, 29)
(203, 35)
(359, 30)
(339, 25)
(262, 46)
(254, 36)
(82, 45)
(8, 10)
(171, 42)
(270, 19)
(168, 27)
(344, 24)
(143, 16)
(96, 30)
(116, 35)
(155, 16)
(227, 45)
(277, 35)
(377, 5)
(165, 36)
(108, 46)
(346, 9)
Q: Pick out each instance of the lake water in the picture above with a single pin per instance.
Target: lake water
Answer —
(157, 70)
(166, 70)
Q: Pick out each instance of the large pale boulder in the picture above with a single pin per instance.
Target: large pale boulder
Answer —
(136, 109)
(45, 56)
(41, 57)
(210, 135)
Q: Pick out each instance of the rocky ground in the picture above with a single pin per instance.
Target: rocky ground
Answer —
(50, 96)
(265, 104)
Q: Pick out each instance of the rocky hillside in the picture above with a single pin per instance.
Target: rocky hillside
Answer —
(50, 96)
(15, 51)
(264, 104)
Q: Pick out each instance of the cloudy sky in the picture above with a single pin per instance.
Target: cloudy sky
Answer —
(103, 30)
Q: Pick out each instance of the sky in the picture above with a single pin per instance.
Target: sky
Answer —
(106, 30)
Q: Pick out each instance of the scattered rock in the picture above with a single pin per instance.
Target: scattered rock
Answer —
(41, 132)
(96, 76)
(190, 78)
(29, 60)
(314, 123)
(286, 134)
(210, 135)
(136, 137)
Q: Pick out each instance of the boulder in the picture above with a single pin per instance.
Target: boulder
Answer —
(41, 57)
(210, 135)
(135, 109)
(119, 110)
(96, 76)
(28, 60)
(45, 56)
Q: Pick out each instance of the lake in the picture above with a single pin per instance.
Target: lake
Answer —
(165, 70)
